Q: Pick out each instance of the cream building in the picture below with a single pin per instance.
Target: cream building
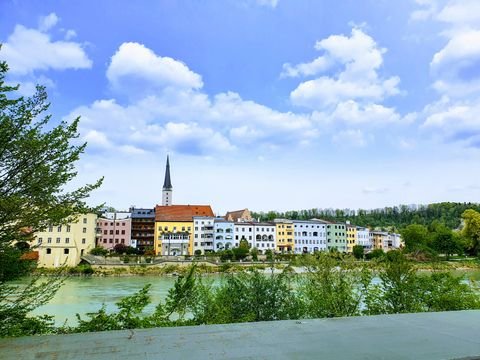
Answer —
(63, 245)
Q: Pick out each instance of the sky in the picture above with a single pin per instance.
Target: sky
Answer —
(261, 104)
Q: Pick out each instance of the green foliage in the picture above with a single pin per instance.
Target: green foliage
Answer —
(445, 241)
(415, 237)
(12, 266)
(16, 302)
(99, 251)
(448, 213)
(328, 289)
(375, 254)
(37, 161)
(269, 255)
(241, 252)
(254, 254)
(358, 252)
(471, 231)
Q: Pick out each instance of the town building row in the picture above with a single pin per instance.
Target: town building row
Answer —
(175, 230)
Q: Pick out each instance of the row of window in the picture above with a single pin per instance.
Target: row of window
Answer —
(58, 240)
(48, 251)
(117, 232)
(110, 241)
(306, 242)
(110, 223)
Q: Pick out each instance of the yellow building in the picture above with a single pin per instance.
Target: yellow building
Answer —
(377, 239)
(351, 237)
(173, 228)
(284, 235)
(63, 245)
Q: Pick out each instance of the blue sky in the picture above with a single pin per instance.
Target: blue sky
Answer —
(266, 104)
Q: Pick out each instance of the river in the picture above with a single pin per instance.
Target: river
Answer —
(87, 294)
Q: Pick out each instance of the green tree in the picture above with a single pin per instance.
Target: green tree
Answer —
(471, 231)
(445, 242)
(37, 161)
(415, 237)
(254, 254)
(358, 251)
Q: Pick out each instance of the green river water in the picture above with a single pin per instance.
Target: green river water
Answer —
(87, 294)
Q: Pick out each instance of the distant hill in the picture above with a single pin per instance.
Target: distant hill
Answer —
(396, 217)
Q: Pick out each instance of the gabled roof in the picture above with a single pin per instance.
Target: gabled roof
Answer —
(236, 215)
(181, 212)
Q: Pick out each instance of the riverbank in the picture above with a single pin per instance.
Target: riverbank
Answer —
(173, 268)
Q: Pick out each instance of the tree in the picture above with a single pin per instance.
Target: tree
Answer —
(445, 241)
(254, 254)
(415, 237)
(358, 251)
(37, 161)
(471, 231)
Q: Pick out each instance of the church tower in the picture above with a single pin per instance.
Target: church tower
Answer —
(167, 187)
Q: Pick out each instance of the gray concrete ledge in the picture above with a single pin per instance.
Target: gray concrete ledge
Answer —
(447, 335)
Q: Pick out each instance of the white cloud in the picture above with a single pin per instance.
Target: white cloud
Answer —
(360, 58)
(461, 12)
(270, 3)
(454, 122)
(135, 65)
(70, 34)
(351, 138)
(353, 113)
(456, 65)
(314, 67)
(29, 50)
(429, 9)
(47, 22)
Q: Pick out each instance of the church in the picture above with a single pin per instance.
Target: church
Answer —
(174, 223)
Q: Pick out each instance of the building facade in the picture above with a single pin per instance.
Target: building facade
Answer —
(224, 235)
(143, 228)
(174, 228)
(114, 228)
(351, 237)
(285, 235)
(64, 245)
(337, 236)
(309, 236)
(363, 238)
(203, 234)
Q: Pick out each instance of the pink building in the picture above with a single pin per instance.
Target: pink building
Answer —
(114, 228)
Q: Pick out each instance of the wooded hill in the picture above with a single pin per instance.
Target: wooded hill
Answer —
(397, 217)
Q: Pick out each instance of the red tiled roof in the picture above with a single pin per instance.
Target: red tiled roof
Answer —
(31, 255)
(181, 212)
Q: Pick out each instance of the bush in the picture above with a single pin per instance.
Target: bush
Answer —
(99, 251)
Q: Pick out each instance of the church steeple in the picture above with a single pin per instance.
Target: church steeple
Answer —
(167, 186)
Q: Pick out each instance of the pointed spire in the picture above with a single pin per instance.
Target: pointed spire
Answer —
(167, 184)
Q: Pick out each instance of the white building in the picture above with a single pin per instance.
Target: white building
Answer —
(363, 238)
(260, 235)
(224, 235)
(203, 234)
(310, 236)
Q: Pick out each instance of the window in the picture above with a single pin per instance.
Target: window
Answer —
(111, 232)
(59, 229)
(110, 241)
(50, 228)
(58, 240)
(105, 232)
(67, 240)
(123, 224)
(123, 232)
(40, 240)
(68, 228)
(84, 220)
(49, 251)
(122, 241)
(84, 230)
(66, 251)
(118, 224)
(117, 232)
(49, 240)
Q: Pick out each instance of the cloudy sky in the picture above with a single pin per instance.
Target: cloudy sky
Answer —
(265, 104)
